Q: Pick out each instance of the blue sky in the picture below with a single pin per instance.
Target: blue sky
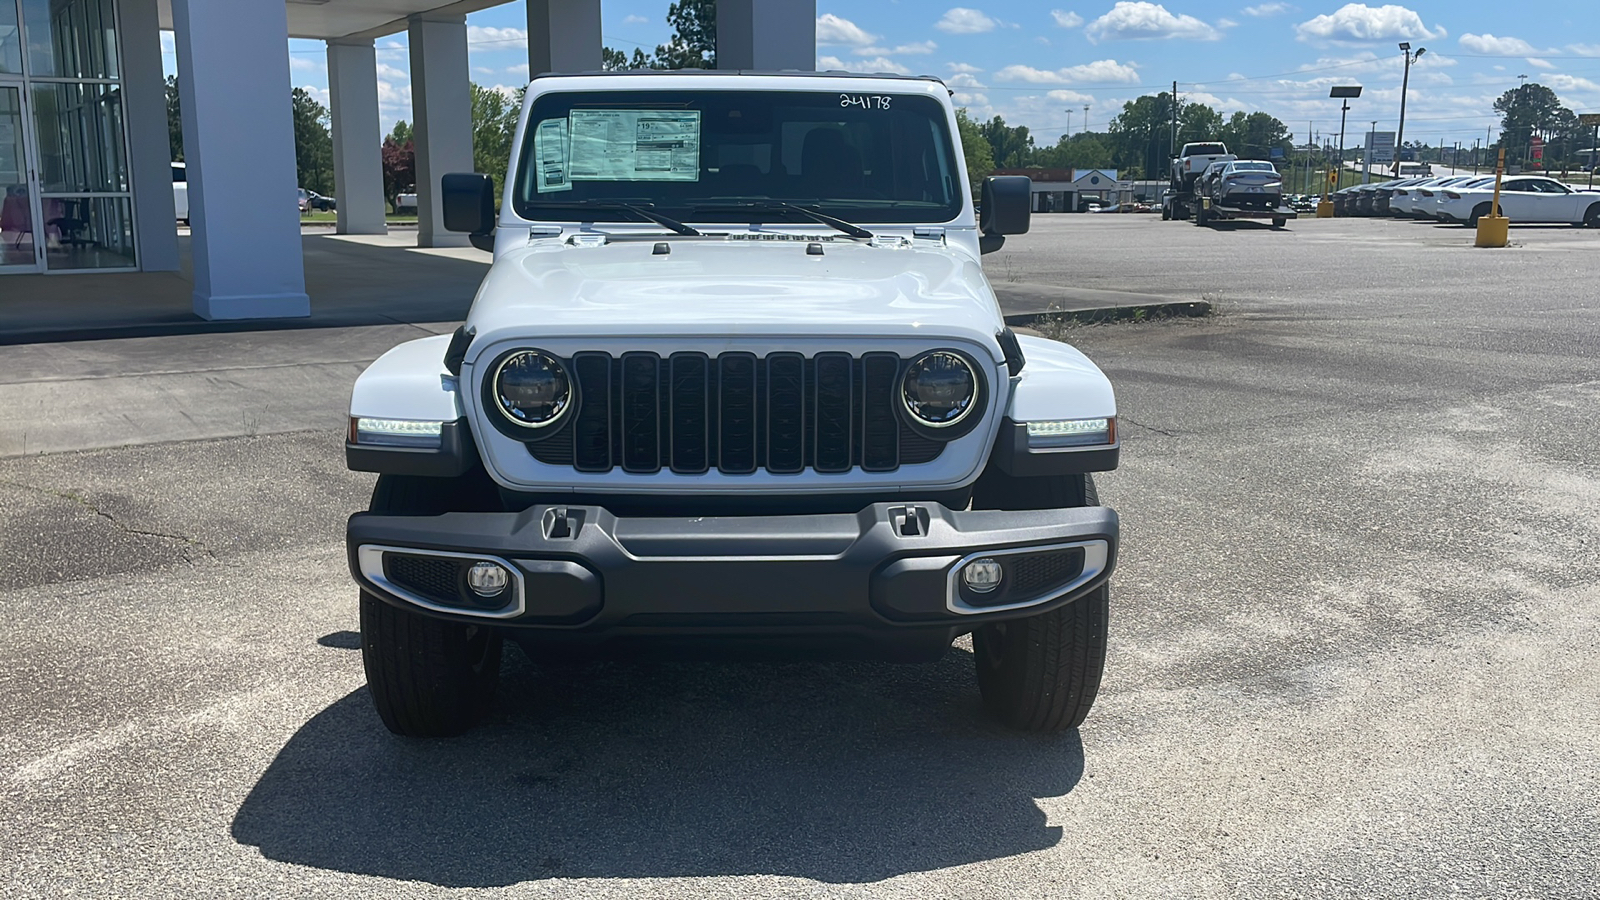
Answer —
(1032, 62)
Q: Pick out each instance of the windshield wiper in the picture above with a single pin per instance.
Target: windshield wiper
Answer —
(854, 231)
(668, 223)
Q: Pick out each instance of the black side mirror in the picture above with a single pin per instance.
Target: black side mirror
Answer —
(469, 206)
(1007, 204)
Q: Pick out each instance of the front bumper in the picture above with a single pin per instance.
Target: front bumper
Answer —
(581, 574)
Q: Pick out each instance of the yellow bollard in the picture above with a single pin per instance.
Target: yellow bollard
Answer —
(1325, 209)
(1495, 230)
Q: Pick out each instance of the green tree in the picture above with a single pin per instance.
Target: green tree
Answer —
(1528, 110)
(1253, 135)
(402, 133)
(1084, 150)
(1012, 147)
(1198, 123)
(979, 156)
(313, 144)
(1141, 136)
(174, 119)
(494, 127)
(693, 44)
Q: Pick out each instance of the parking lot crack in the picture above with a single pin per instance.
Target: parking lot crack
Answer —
(188, 543)
(1138, 424)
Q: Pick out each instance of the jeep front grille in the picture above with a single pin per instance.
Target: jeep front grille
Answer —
(736, 413)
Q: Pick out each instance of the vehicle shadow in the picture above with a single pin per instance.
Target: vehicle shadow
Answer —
(838, 772)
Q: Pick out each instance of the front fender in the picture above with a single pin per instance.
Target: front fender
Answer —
(410, 383)
(1057, 383)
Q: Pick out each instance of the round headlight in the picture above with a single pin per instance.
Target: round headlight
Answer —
(939, 389)
(532, 389)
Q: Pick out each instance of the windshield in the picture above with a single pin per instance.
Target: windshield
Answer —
(683, 153)
(1253, 167)
(1203, 149)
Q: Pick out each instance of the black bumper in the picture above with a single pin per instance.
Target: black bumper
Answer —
(890, 571)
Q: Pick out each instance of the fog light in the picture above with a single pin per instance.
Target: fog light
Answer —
(982, 575)
(487, 579)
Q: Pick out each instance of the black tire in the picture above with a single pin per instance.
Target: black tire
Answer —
(1279, 222)
(1200, 217)
(1041, 673)
(1478, 212)
(1591, 218)
(428, 677)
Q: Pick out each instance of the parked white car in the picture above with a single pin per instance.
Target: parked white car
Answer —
(1406, 199)
(1524, 199)
(180, 190)
(1426, 203)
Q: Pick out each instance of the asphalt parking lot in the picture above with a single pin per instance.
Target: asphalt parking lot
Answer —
(1355, 640)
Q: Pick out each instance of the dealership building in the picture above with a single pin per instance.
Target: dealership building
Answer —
(85, 150)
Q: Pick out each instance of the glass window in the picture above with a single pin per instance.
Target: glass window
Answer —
(88, 232)
(10, 40)
(71, 38)
(79, 130)
(864, 158)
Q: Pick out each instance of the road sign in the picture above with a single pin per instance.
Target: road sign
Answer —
(1589, 120)
(1380, 146)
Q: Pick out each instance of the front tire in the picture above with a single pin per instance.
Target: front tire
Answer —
(1041, 673)
(428, 677)
(1591, 218)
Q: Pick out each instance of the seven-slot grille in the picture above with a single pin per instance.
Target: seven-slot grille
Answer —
(736, 413)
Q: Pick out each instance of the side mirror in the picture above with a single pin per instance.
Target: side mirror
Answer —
(1006, 206)
(468, 199)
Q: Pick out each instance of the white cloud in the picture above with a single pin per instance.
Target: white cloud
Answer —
(1360, 22)
(971, 101)
(1265, 10)
(1066, 19)
(1569, 83)
(1490, 45)
(963, 80)
(1540, 63)
(904, 49)
(321, 94)
(1105, 71)
(1073, 97)
(1225, 24)
(963, 67)
(962, 20)
(831, 29)
(1140, 20)
(874, 65)
(500, 38)
(302, 63)
(635, 20)
(1577, 49)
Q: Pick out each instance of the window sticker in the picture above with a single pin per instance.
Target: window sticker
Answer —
(550, 151)
(634, 145)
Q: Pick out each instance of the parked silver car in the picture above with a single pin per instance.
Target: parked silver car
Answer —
(1243, 182)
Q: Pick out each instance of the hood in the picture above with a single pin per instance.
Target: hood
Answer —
(737, 287)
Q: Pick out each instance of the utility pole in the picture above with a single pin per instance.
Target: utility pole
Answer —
(1343, 94)
(1174, 149)
(1405, 87)
(1069, 121)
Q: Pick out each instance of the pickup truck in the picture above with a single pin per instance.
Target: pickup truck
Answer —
(734, 382)
(1193, 160)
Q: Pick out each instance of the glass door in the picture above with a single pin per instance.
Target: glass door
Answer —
(19, 249)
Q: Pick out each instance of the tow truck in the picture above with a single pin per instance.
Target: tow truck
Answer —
(1185, 199)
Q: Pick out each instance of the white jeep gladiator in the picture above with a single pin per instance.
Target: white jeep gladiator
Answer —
(735, 380)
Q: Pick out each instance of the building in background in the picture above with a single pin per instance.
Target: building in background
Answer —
(85, 158)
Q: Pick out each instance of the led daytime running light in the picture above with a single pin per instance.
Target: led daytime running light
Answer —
(397, 432)
(1072, 432)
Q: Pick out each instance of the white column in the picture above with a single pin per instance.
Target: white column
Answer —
(767, 34)
(144, 100)
(563, 36)
(357, 137)
(441, 100)
(238, 139)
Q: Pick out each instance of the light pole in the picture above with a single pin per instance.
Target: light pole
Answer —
(1069, 121)
(1405, 87)
(1345, 94)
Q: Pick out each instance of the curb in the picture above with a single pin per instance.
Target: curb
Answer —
(1096, 315)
